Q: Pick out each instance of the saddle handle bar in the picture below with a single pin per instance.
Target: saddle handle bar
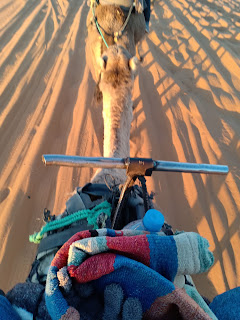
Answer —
(124, 163)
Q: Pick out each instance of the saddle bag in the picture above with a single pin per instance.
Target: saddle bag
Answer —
(94, 205)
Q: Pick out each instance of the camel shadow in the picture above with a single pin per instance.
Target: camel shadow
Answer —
(185, 97)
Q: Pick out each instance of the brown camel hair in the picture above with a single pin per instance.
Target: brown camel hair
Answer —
(113, 69)
(116, 82)
(111, 18)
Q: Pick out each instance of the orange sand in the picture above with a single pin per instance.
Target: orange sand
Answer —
(187, 108)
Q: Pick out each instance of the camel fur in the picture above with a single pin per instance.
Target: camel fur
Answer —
(111, 19)
(113, 70)
(116, 83)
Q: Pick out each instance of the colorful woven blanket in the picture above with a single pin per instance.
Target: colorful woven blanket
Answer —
(144, 265)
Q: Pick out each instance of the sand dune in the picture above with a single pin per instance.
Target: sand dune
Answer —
(187, 108)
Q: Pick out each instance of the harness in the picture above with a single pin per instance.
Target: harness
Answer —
(98, 27)
(125, 5)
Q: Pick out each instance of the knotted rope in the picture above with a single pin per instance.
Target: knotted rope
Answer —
(90, 215)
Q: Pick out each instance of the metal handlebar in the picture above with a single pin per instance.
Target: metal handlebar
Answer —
(123, 163)
(190, 167)
(76, 161)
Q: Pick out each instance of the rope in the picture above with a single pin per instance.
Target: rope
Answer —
(118, 33)
(122, 201)
(98, 27)
(90, 215)
(145, 193)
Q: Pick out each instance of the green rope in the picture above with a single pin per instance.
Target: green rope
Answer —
(116, 34)
(90, 215)
(98, 27)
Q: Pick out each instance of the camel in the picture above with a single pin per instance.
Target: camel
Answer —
(113, 69)
(118, 69)
(111, 19)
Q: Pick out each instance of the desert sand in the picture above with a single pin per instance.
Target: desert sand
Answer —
(186, 108)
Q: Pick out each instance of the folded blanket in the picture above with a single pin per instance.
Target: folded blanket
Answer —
(226, 306)
(6, 310)
(145, 265)
(106, 274)
(194, 294)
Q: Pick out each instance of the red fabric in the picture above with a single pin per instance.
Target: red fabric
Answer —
(61, 257)
(136, 248)
(93, 268)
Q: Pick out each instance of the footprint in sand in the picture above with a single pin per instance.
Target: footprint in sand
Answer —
(4, 194)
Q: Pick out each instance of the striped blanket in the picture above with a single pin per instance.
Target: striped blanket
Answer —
(144, 265)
